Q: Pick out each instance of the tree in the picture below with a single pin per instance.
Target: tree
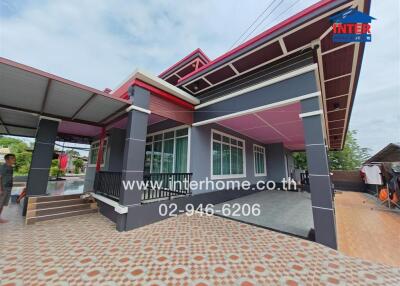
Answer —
(350, 158)
(78, 165)
(19, 148)
(352, 155)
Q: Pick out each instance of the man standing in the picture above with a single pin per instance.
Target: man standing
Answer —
(6, 182)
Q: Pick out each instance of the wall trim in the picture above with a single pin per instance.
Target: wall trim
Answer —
(117, 207)
(259, 108)
(311, 113)
(137, 108)
(49, 118)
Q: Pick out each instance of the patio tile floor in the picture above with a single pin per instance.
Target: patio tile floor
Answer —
(196, 250)
(366, 229)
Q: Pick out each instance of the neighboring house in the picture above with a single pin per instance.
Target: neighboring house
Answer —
(236, 117)
(391, 153)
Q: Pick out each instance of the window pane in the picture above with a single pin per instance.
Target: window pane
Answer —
(216, 158)
(226, 139)
(93, 156)
(216, 136)
(157, 149)
(158, 137)
(233, 142)
(169, 135)
(147, 159)
(234, 160)
(181, 150)
(240, 161)
(103, 159)
(262, 167)
(168, 156)
(149, 139)
(226, 159)
(182, 132)
(240, 144)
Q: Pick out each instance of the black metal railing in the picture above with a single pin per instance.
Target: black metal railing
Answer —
(304, 178)
(166, 185)
(108, 184)
(155, 185)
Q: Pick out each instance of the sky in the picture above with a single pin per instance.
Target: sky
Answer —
(100, 43)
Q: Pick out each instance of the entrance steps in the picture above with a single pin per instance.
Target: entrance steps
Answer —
(53, 207)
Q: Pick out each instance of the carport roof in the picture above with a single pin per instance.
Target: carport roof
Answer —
(27, 93)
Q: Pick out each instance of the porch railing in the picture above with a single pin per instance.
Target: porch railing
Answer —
(108, 184)
(304, 178)
(166, 185)
(158, 185)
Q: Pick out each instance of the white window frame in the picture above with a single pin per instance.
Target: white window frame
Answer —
(162, 147)
(231, 176)
(254, 159)
(105, 145)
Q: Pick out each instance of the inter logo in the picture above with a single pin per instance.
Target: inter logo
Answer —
(351, 26)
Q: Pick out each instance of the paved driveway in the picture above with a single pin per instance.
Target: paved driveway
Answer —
(196, 250)
(288, 212)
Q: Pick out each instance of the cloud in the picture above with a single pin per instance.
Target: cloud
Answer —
(99, 43)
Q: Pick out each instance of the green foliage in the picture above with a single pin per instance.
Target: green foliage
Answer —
(300, 160)
(350, 158)
(352, 155)
(19, 148)
(55, 170)
(78, 165)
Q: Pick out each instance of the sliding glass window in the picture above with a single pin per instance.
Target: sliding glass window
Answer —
(227, 156)
(167, 152)
(259, 161)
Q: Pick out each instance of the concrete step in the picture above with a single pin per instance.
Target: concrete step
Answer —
(53, 207)
(60, 209)
(41, 199)
(60, 203)
(32, 220)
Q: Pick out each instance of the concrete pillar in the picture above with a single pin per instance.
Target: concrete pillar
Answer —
(318, 168)
(41, 159)
(135, 143)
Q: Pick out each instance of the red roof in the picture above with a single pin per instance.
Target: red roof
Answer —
(275, 28)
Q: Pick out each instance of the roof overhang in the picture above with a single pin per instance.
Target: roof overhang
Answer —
(156, 82)
(28, 94)
(338, 63)
(391, 153)
(188, 64)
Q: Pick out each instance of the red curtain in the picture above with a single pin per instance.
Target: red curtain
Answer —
(63, 161)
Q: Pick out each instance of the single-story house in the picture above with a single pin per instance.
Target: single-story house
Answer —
(237, 117)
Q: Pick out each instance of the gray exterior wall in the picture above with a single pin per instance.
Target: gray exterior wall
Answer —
(200, 156)
(113, 159)
(302, 84)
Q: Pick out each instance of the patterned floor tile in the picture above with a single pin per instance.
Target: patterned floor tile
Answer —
(197, 250)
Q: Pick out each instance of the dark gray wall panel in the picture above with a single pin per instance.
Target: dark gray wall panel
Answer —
(294, 87)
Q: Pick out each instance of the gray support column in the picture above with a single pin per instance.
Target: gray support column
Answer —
(135, 144)
(318, 168)
(41, 157)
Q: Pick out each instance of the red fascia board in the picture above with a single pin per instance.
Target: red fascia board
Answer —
(197, 51)
(275, 28)
(163, 94)
(57, 78)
